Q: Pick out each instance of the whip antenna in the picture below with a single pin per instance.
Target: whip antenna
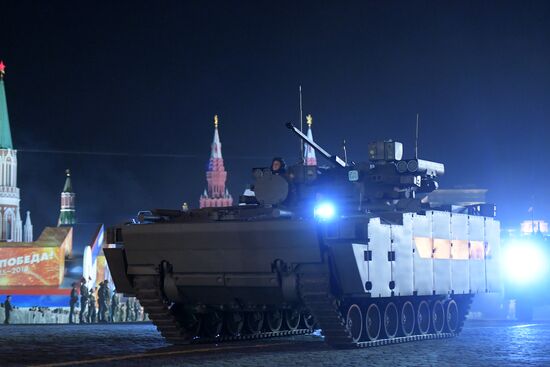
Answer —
(301, 125)
(416, 140)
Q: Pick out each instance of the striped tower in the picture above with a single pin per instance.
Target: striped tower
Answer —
(309, 153)
(67, 214)
(11, 226)
(216, 195)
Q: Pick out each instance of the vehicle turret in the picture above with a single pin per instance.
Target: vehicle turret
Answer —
(384, 183)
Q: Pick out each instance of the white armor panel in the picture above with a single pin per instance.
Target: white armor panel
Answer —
(379, 269)
(402, 267)
(441, 230)
(476, 227)
(492, 243)
(359, 251)
(423, 266)
(460, 265)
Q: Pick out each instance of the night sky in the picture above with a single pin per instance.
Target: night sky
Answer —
(124, 94)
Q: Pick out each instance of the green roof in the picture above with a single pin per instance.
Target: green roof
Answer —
(5, 133)
(67, 217)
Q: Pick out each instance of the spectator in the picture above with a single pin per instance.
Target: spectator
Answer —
(72, 303)
(91, 307)
(7, 309)
(83, 299)
(100, 302)
(114, 307)
(137, 310)
(106, 299)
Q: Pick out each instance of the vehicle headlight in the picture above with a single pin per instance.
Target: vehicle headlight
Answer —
(524, 262)
(324, 211)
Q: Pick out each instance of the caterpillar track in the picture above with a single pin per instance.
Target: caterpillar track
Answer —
(331, 314)
(339, 330)
(178, 330)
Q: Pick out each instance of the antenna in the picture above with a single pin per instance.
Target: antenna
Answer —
(345, 152)
(301, 125)
(416, 140)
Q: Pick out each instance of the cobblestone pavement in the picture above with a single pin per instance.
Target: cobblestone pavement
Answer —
(480, 344)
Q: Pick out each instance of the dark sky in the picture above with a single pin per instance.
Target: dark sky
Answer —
(142, 80)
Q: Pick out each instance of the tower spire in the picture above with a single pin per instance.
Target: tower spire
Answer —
(5, 132)
(27, 229)
(309, 155)
(68, 187)
(67, 214)
(216, 144)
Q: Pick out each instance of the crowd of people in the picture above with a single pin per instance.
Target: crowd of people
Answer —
(102, 305)
(95, 305)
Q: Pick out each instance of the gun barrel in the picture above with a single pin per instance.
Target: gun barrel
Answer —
(332, 158)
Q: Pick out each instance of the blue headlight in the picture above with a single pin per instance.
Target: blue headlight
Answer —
(524, 262)
(324, 211)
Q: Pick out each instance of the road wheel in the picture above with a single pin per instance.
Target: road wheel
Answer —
(309, 321)
(354, 322)
(373, 322)
(452, 316)
(391, 320)
(292, 319)
(438, 317)
(407, 318)
(274, 320)
(234, 322)
(255, 321)
(423, 317)
(213, 324)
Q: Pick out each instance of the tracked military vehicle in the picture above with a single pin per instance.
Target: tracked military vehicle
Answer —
(354, 250)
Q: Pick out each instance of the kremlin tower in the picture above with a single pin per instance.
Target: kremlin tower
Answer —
(216, 195)
(10, 217)
(309, 152)
(67, 215)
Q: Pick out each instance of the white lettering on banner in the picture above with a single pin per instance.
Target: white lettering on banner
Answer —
(34, 258)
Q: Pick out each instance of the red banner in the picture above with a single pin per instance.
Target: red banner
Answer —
(31, 266)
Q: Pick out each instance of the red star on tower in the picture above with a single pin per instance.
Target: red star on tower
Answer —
(2, 68)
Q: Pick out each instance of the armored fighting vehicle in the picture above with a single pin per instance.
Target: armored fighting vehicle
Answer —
(354, 250)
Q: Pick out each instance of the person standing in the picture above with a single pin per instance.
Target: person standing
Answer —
(114, 307)
(91, 307)
(83, 299)
(7, 309)
(100, 295)
(72, 303)
(137, 309)
(106, 300)
(123, 313)
(129, 310)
